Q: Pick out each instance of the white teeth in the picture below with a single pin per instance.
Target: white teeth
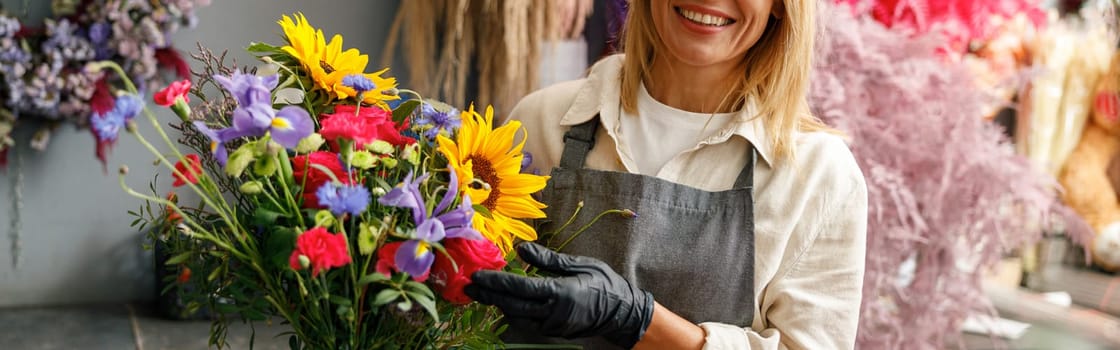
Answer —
(704, 19)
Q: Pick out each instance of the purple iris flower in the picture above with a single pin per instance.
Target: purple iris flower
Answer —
(438, 120)
(254, 114)
(339, 199)
(109, 124)
(359, 83)
(217, 141)
(415, 256)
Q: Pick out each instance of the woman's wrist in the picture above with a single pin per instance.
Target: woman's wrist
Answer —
(668, 330)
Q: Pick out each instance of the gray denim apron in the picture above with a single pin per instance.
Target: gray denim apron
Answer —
(692, 249)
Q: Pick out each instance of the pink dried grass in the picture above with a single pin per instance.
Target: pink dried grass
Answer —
(945, 186)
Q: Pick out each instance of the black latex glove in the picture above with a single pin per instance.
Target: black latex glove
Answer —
(587, 299)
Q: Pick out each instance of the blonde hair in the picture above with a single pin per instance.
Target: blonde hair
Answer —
(776, 75)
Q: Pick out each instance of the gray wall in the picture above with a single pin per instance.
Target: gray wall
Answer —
(64, 234)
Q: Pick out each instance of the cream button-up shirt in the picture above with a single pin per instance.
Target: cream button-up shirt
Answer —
(810, 210)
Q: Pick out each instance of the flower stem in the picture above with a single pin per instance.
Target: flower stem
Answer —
(579, 207)
(199, 231)
(588, 225)
(286, 168)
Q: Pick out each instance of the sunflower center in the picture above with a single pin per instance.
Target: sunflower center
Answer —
(326, 67)
(484, 171)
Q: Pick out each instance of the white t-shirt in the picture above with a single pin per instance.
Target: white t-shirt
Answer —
(645, 132)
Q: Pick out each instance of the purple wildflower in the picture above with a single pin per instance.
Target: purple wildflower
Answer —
(340, 199)
(254, 114)
(437, 121)
(9, 26)
(99, 34)
(526, 161)
(414, 256)
(64, 45)
(290, 125)
(359, 83)
(217, 141)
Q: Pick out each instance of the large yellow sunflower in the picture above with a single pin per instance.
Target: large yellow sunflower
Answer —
(327, 63)
(488, 165)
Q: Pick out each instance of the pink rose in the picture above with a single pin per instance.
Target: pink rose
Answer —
(323, 249)
(471, 256)
(370, 124)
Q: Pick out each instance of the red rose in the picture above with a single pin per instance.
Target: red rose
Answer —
(312, 178)
(323, 249)
(188, 170)
(370, 124)
(169, 94)
(471, 256)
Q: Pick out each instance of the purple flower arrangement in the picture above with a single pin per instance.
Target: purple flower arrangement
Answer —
(42, 75)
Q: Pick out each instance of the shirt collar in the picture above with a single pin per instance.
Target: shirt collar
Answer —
(600, 95)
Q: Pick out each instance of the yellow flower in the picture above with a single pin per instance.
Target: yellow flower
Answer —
(327, 63)
(488, 165)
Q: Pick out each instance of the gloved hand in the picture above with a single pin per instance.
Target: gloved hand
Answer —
(587, 299)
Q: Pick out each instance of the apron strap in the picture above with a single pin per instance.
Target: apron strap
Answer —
(746, 176)
(578, 142)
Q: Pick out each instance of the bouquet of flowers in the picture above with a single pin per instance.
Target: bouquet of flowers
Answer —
(41, 75)
(353, 210)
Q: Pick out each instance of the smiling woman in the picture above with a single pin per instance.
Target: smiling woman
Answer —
(751, 213)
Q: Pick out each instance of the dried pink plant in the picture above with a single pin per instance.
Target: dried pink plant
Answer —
(945, 187)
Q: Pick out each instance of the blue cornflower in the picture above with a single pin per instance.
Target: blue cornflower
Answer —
(359, 83)
(436, 121)
(106, 125)
(340, 199)
(109, 124)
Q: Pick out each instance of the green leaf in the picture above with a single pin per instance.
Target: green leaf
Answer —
(420, 288)
(178, 259)
(371, 278)
(224, 308)
(214, 275)
(253, 315)
(279, 245)
(428, 304)
(265, 217)
(478, 208)
(262, 48)
(405, 305)
(386, 296)
(404, 110)
(340, 300)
